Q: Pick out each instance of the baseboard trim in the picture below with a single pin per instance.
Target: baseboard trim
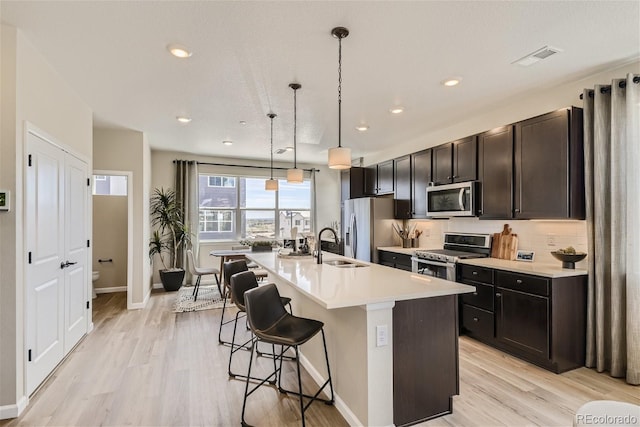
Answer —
(342, 407)
(14, 411)
(143, 304)
(157, 286)
(110, 290)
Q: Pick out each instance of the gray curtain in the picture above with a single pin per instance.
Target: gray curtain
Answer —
(612, 181)
(186, 187)
(314, 203)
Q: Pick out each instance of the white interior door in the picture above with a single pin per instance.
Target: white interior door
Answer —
(76, 273)
(45, 244)
(57, 273)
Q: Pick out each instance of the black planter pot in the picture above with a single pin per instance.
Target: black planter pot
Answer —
(171, 280)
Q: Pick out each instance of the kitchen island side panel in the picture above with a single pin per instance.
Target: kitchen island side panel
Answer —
(425, 358)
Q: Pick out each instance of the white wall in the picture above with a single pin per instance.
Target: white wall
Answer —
(31, 92)
(128, 150)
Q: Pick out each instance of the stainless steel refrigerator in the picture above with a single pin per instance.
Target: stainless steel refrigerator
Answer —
(367, 224)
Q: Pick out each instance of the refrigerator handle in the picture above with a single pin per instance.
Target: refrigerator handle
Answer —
(354, 230)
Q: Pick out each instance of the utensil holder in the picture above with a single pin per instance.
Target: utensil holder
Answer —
(406, 243)
(414, 242)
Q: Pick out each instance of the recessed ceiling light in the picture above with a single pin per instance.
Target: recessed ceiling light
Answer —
(179, 51)
(227, 142)
(183, 119)
(452, 82)
(362, 128)
(396, 110)
(288, 149)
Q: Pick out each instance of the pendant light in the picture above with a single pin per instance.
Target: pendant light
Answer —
(294, 176)
(340, 157)
(271, 184)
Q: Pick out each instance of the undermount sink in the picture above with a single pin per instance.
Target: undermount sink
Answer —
(340, 263)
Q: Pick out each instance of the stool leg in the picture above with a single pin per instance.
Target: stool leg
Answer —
(300, 388)
(224, 306)
(233, 342)
(195, 288)
(246, 388)
(326, 357)
(218, 283)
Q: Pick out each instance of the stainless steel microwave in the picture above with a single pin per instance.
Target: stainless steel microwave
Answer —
(452, 200)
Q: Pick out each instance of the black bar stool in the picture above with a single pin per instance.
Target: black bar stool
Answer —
(241, 283)
(271, 323)
(230, 268)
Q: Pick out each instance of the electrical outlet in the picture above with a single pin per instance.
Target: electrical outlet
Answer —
(382, 335)
(551, 240)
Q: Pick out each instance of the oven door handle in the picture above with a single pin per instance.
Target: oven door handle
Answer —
(431, 262)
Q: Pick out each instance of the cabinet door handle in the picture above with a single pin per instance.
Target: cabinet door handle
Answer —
(448, 177)
(475, 319)
(518, 281)
(475, 273)
(516, 210)
(498, 295)
(454, 176)
(475, 294)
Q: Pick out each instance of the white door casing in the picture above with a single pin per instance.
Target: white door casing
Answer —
(56, 232)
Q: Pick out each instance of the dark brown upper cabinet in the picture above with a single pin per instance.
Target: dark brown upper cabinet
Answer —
(385, 177)
(495, 172)
(371, 180)
(455, 161)
(402, 178)
(420, 179)
(549, 166)
(352, 183)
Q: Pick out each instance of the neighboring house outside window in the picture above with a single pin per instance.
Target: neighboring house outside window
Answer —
(236, 208)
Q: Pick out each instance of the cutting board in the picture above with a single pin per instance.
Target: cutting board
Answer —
(504, 245)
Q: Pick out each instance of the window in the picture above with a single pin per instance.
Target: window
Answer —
(222, 181)
(109, 185)
(235, 208)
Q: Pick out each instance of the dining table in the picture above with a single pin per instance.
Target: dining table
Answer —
(232, 254)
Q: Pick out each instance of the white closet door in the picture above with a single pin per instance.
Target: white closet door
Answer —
(76, 274)
(45, 240)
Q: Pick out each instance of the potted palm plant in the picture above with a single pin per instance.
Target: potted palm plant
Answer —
(171, 235)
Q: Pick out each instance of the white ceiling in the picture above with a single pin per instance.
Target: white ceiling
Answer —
(245, 54)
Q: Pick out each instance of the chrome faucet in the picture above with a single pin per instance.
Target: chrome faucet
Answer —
(319, 246)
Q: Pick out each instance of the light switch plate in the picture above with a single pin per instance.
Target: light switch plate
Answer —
(5, 198)
(382, 335)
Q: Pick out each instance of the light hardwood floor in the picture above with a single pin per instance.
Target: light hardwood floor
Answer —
(154, 367)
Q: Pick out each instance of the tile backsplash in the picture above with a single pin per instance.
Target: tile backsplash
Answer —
(542, 237)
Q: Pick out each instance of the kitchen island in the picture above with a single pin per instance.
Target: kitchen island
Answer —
(391, 335)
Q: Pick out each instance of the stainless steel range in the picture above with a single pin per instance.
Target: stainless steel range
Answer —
(441, 263)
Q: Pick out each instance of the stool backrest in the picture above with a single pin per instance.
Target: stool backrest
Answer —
(233, 267)
(263, 306)
(241, 283)
(191, 261)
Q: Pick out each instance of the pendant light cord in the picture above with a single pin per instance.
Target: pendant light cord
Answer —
(295, 129)
(339, 91)
(271, 116)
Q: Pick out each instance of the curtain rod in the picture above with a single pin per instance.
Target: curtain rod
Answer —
(242, 166)
(605, 89)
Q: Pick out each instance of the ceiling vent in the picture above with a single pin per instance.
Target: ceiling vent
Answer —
(538, 55)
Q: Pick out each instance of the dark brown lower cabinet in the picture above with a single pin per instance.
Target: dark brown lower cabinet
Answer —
(425, 358)
(395, 260)
(538, 319)
(522, 321)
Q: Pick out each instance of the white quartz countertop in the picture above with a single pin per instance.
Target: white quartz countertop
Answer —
(400, 249)
(335, 287)
(538, 269)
